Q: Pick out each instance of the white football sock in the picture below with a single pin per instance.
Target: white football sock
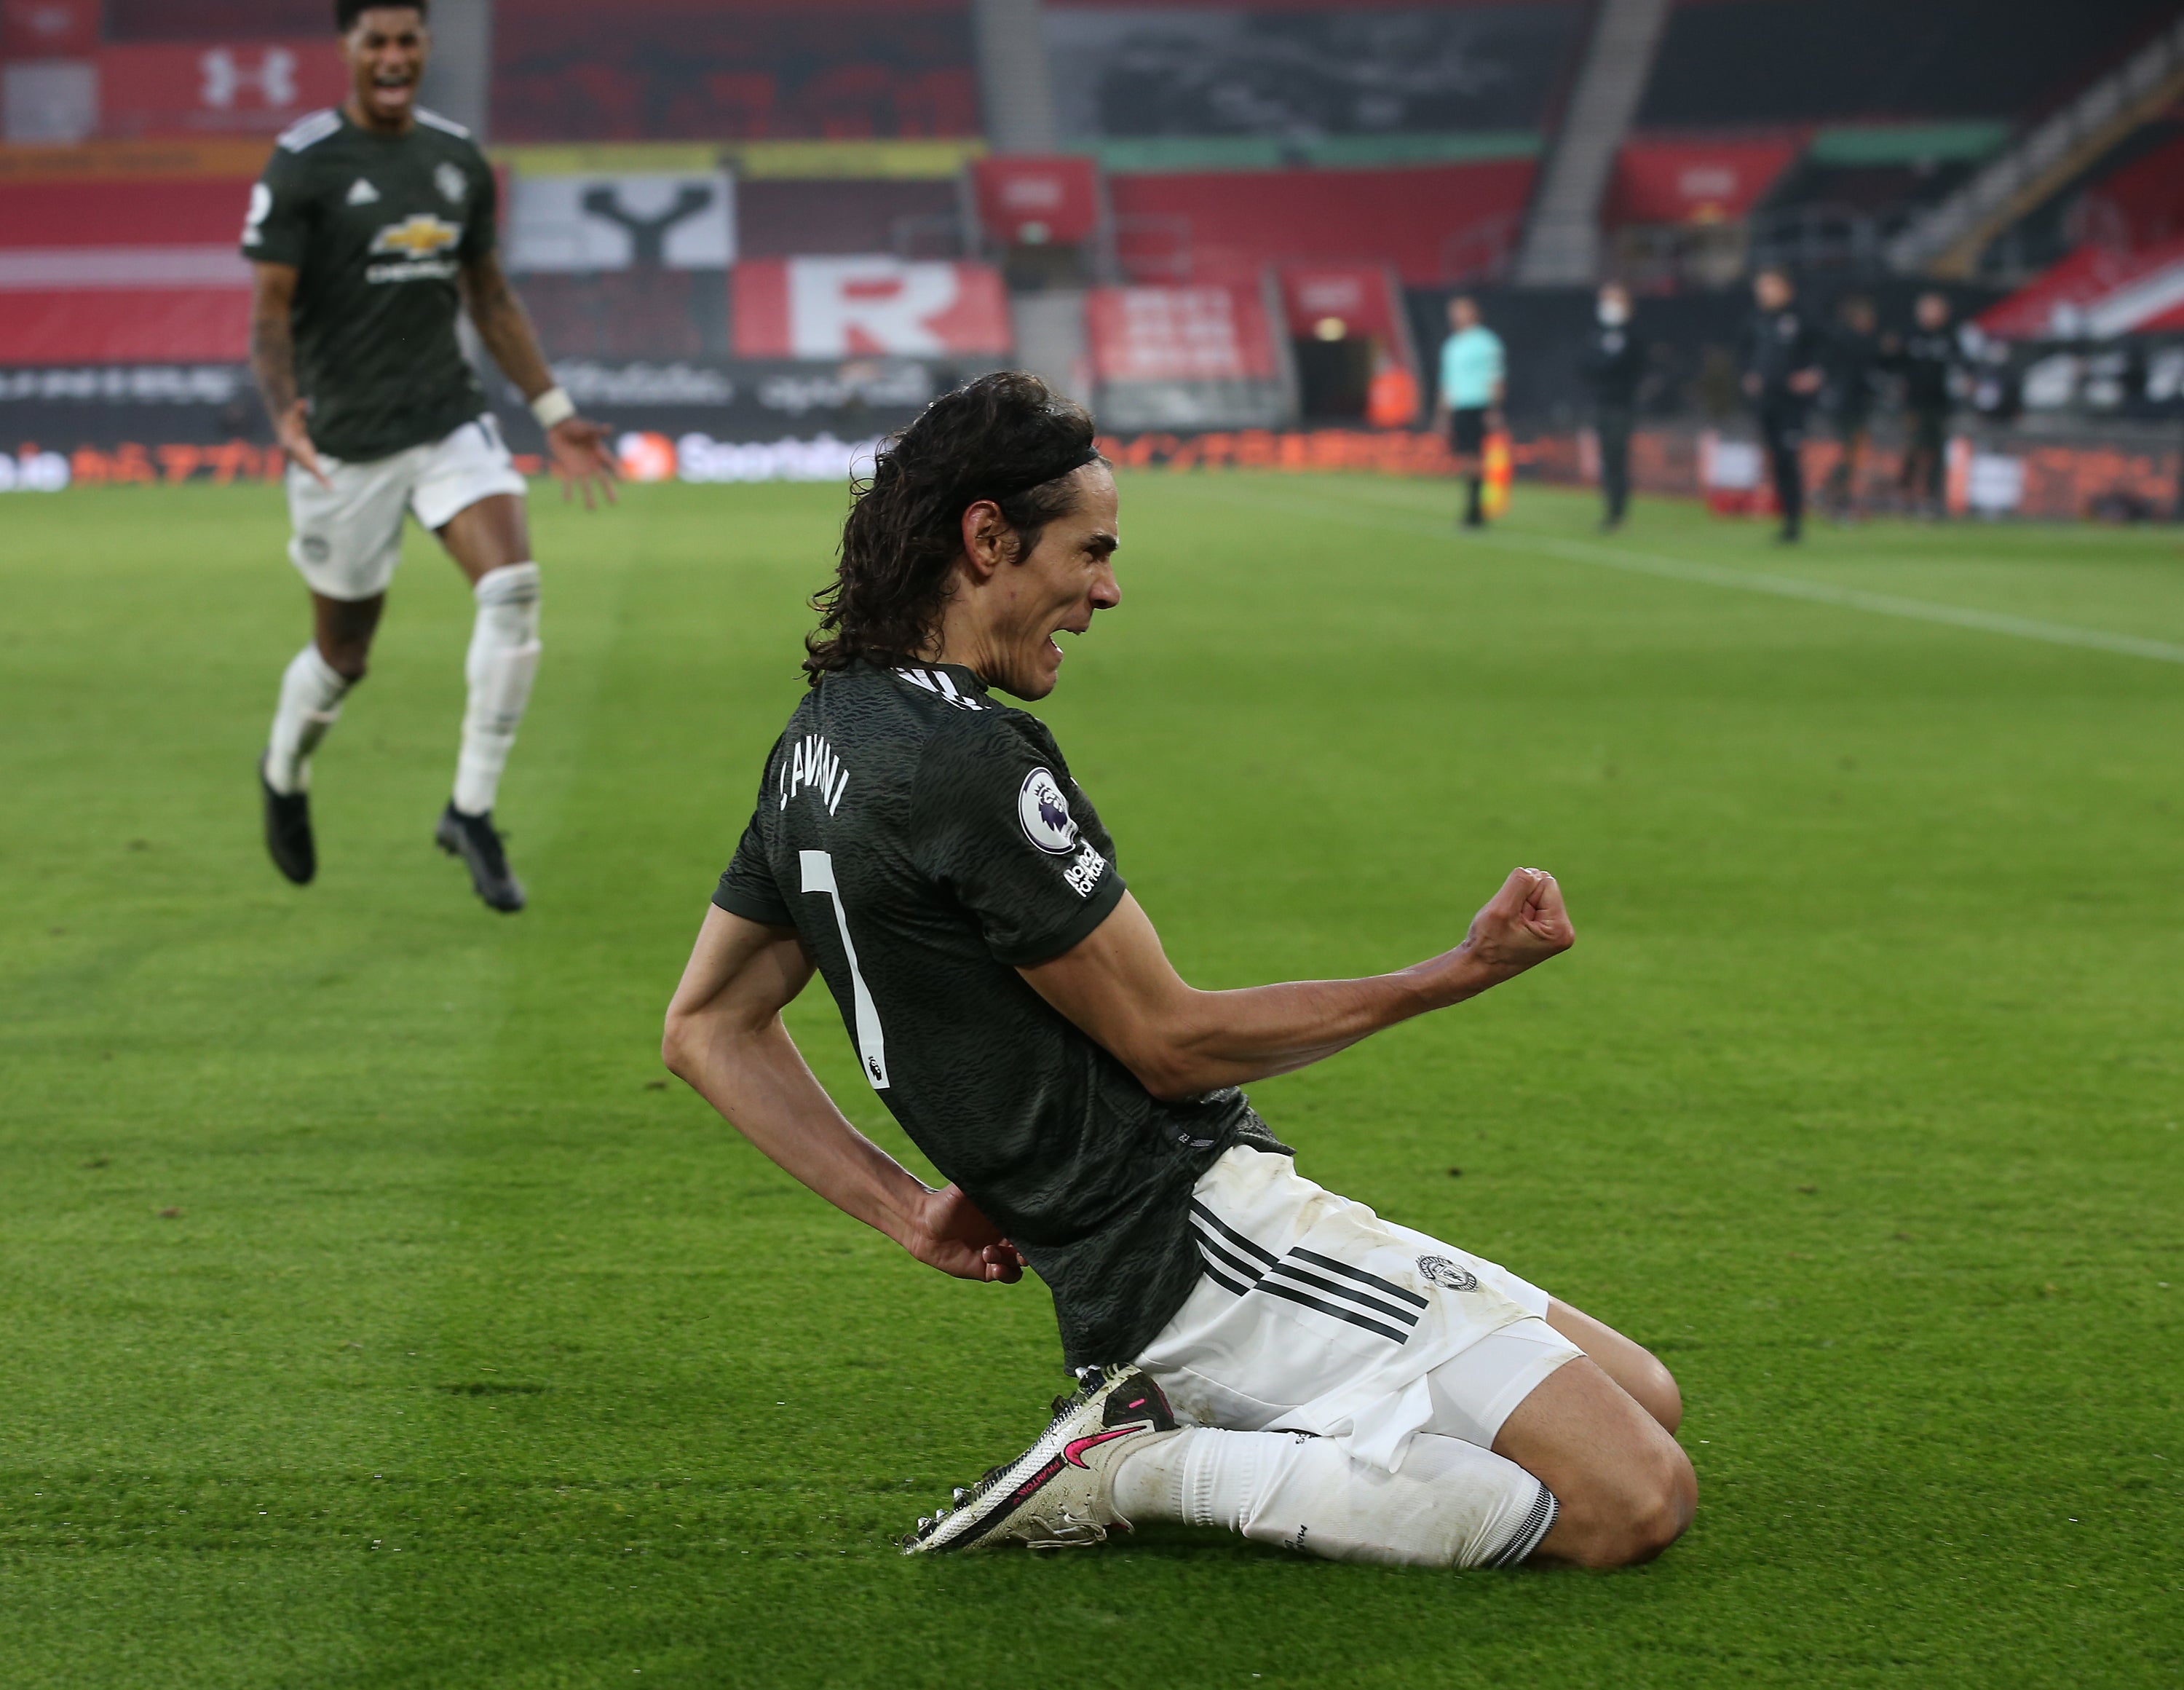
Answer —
(504, 658)
(1452, 1505)
(310, 700)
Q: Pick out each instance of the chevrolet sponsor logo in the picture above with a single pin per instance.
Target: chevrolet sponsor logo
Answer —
(419, 237)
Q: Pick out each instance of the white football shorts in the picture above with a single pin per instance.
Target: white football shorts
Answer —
(1316, 1315)
(348, 537)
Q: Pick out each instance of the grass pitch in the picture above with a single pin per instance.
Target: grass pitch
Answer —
(371, 1314)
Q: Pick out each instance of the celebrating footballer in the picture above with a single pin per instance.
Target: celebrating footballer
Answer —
(1254, 1353)
(371, 229)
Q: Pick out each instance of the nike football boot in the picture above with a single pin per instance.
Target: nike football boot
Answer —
(1058, 1493)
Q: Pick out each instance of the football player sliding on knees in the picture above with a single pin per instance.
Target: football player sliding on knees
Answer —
(371, 232)
(1253, 1353)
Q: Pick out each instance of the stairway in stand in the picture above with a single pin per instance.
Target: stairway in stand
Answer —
(1562, 237)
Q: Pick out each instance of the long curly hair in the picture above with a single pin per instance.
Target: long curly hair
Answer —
(997, 437)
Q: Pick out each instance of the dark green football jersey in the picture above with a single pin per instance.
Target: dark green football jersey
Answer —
(926, 841)
(378, 228)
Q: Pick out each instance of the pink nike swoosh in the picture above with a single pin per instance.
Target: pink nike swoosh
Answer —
(1073, 1453)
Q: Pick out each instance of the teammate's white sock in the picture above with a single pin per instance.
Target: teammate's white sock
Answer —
(310, 700)
(1453, 1504)
(504, 658)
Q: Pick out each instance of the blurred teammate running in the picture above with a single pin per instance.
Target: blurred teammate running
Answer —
(1253, 1351)
(371, 230)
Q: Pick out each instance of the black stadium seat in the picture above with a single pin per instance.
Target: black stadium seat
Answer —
(1802, 61)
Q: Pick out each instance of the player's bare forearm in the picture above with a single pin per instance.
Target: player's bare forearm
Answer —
(1118, 986)
(724, 1036)
(273, 362)
(762, 1085)
(1181, 1042)
(272, 341)
(577, 447)
(504, 326)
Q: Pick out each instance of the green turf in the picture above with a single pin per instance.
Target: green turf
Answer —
(474, 1356)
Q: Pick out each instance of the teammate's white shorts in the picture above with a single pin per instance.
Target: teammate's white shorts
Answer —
(348, 536)
(1314, 1314)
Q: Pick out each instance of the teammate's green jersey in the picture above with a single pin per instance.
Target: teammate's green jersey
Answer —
(926, 842)
(378, 228)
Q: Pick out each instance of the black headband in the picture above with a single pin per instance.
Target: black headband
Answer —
(1054, 471)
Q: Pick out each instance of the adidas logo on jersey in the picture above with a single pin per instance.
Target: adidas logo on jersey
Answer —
(363, 193)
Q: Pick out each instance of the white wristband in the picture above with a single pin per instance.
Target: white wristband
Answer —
(554, 406)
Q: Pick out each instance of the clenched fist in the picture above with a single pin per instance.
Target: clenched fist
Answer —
(1522, 924)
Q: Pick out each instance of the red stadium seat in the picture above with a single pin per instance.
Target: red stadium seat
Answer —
(939, 102)
(138, 272)
(736, 105)
(1240, 221)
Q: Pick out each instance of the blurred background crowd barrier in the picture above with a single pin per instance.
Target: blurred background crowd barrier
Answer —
(761, 223)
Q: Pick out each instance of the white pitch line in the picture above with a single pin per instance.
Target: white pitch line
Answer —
(1752, 581)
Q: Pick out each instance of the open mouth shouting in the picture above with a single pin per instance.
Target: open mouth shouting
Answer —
(392, 90)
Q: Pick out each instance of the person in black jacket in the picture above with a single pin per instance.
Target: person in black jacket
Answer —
(1853, 358)
(1926, 359)
(1782, 373)
(1614, 361)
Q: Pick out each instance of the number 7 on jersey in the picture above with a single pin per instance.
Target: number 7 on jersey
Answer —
(818, 866)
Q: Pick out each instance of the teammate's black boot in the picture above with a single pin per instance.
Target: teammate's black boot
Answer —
(475, 840)
(288, 830)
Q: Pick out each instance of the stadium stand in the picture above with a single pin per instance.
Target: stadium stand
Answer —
(1195, 357)
(1562, 237)
(779, 219)
(1955, 236)
(762, 220)
(724, 69)
(2120, 231)
(207, 19)
(1435, 223)
(2097, 294)
(1899, 107)
(122, 272)
(1856, 186)
(1769, 62)
(1705, 179)
(2140, 202)
(1302, 72)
